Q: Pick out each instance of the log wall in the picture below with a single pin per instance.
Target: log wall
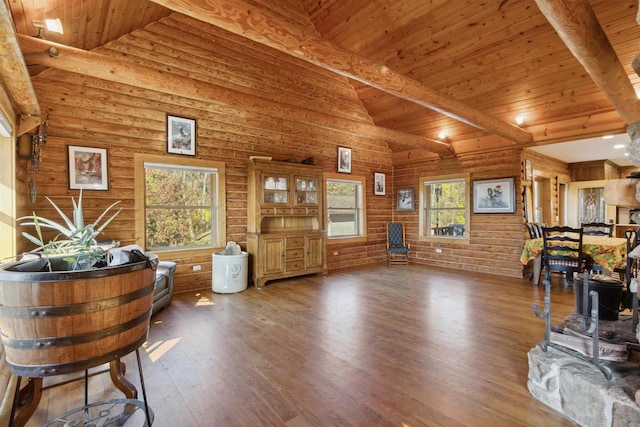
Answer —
(262, 102)
(496, 240)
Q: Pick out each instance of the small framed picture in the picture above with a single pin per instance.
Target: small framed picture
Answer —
(378, 184)
(344, 159)
(181, 135)
(405, 200)
(494, 196)
(87, 168)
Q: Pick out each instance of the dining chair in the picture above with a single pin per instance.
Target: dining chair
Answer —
(562, 251)
(535, 229)
(397, 246)
(598, 229)
(629, 269)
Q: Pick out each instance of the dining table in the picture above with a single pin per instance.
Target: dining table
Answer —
(608, 252)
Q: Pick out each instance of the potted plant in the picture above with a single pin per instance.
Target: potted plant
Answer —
(75, 246)
(56, 318)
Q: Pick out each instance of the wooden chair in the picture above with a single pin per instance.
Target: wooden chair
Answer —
(535, 229)
(597, 229)
(629, 269)
(562, 251)
(397, 246)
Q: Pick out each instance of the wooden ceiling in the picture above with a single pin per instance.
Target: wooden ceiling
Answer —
(488, 60)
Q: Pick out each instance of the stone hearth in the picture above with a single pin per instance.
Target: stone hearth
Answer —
(575, 387)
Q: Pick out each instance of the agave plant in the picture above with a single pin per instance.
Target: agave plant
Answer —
(75, 239)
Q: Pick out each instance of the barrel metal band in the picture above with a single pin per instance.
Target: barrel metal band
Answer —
(73, 309)
(35, 371)
(48, 343)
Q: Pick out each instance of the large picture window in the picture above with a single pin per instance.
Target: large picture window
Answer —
(445, 208)
(345, 208)
(182, 207)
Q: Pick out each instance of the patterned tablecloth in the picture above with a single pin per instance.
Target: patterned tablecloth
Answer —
(609, 252)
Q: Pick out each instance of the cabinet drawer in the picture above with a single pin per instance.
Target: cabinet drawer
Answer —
(283, 211)
(299, 211)
(312, 211)
(294, 242)
(295, 253)
(295, 265)
(268, 211)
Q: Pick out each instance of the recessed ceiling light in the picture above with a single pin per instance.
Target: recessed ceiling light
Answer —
(607, 137)
(519, 119)
(442, 135)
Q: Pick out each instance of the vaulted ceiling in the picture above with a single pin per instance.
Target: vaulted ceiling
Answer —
(463, 67)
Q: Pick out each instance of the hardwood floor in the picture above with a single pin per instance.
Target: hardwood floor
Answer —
(371, 346)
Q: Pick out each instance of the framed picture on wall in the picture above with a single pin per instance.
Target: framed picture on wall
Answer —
(344, 159)
(181, 135)
(494, 196)
(87, 168)
(378, 184)
(405, 199)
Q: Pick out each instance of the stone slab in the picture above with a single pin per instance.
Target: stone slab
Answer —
(573, 386)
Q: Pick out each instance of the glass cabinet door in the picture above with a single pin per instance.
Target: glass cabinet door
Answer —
(275, 189)
(306, 191)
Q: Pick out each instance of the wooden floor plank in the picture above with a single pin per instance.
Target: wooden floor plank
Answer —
(370, 346)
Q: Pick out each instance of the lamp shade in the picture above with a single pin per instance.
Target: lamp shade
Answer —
(621, 192)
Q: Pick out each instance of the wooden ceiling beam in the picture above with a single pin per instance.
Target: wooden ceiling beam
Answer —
(94, 64)
(263, 27)
(577, 25)
(14, 75)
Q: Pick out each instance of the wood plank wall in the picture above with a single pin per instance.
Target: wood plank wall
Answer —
(495, 239)
(262, 103)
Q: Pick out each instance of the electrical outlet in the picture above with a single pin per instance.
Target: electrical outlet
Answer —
(438, 250)
(335, 252)
(197, 267)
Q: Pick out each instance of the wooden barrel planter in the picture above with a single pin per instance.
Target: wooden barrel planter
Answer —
(54, 323)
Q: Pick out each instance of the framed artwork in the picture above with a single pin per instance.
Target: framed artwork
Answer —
(88, 168)
(494, 196)
(181, 135)
(405, 200)
(378, 184)
(344, 159)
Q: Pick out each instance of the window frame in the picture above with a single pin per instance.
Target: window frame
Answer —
(424, 222)
(219, 205)
(362, 224)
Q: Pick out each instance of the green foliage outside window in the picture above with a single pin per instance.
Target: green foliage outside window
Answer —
(447, 207)
(179, 207)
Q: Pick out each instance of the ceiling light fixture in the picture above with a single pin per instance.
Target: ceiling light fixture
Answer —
(442, 135)
(519, 119)
(53, 25)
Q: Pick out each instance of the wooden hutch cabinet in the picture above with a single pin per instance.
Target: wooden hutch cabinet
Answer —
(284, 236)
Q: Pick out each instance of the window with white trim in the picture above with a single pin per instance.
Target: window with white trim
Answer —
(444, 207)
(345, 208)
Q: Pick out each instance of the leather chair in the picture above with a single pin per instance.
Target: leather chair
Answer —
(163, 291)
